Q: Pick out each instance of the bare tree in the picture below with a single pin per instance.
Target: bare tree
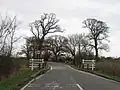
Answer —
(30, 48)
(27, 47)
(12, 39)
(47, 24)
(98, 32)
(46, 49)
(76, 43)
(56, 45)
(79, 39)
(6, 25)
(71, 46)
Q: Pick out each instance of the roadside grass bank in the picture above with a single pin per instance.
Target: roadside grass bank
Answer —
(99, 73)
(17, 81)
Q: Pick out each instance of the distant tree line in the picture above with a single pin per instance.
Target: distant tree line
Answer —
(72, 48)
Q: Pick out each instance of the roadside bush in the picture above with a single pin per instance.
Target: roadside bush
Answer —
(109, 67)
(6, 66)
(9, 66)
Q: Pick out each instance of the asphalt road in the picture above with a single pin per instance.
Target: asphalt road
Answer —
(62, 77)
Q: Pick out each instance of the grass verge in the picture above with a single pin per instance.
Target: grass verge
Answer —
(17, 81)
(98, 73)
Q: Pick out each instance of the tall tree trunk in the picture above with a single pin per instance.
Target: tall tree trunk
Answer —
(56, 59)
(96, 50)
(74, 60)
(10, 49)
(41, 42)
(34, 53)
(80, 56)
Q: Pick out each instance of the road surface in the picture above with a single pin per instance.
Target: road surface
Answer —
(62, 77)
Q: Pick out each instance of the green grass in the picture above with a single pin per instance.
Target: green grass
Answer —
(16, 81)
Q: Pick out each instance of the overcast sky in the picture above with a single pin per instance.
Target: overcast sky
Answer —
(71, 14)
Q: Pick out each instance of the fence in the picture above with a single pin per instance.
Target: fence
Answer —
(88, 64)
(36, 63)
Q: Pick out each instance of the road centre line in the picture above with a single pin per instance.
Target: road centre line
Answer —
(76, 83)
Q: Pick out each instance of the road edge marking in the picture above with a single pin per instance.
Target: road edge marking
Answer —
(43, 74)
(35, 79)
(93, 75)
(27, 84)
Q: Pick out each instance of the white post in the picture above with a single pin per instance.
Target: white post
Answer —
(83, 61)
(92, 65)
(32, 67)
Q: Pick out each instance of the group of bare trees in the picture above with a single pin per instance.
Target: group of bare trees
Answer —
(45, 44)
(8, 38)
(77, 44)
(83, 45)
(8, 28)
(56, 45)
(47, 24)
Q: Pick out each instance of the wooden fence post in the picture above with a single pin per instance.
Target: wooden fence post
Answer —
(93, 62)
(32, 67)
(83, 61)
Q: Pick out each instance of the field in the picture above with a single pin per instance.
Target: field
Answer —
(109, 67)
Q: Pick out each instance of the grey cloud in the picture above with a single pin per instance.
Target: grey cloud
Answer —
(106, 1)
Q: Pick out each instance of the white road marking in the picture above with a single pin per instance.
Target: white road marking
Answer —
(76, 83)
(79, 86)
(93, 75)
(34, 85)
(53, 85)
(27, 84)
(72, 80)
(43, 74)
(39, 77)
(34, 79)
(59, 68)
